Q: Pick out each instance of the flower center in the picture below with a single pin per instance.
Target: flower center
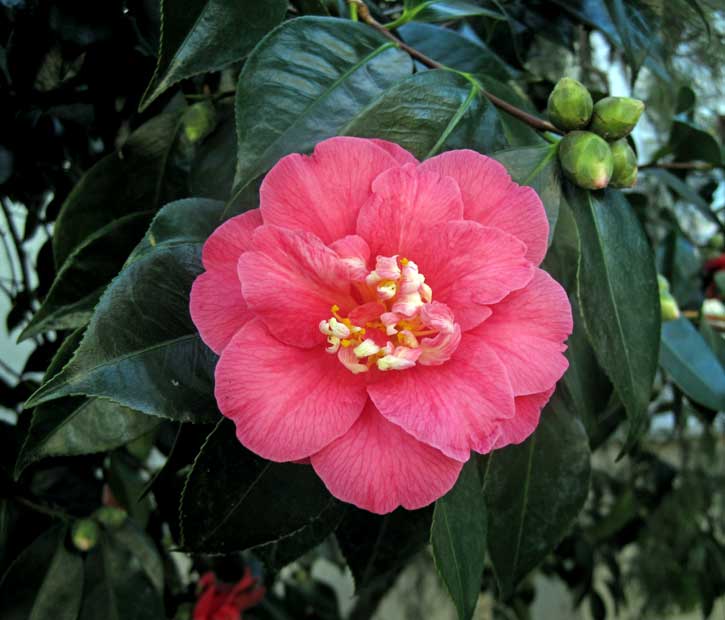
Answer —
(398, 327)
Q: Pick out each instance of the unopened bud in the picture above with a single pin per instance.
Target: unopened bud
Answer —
(85, 534)
(570, 105)
(663, 284)
(110, 517)
(624, 172)
(586, 159)
(670, 309)
(199, 120)
(615, 117)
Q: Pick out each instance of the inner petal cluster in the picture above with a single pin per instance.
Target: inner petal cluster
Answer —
(397, 325)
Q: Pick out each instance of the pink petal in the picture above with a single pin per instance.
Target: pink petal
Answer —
(470, 266)
(377, 466)
(406, 202)
(398, 152)
(286, 402)
(456, 407)
(525, 420)
(493, 199)
(322, 193)
(355, 252)
(216, 305)
(527, 330)
(290, 280)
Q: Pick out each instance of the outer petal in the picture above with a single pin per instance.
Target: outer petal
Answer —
(493, 199)
(405, 203)
(470, 266)
(377, 466)
(323, 193)
(398, 152)
(456, 407)
(527, 330)
(290, 279)
(217, 306)
(525, 421)
(287, 403)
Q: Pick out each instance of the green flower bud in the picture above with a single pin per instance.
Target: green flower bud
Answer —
(570, 105)
(670, 309)
(85, 534)
(586, 159)
(198, 121)
(663, 284)
(615, 117)
(624, 173)
(110, 517)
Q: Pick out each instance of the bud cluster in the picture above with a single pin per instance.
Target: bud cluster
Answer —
(594, 153)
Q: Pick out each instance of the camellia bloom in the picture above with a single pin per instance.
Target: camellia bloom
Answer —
(381, 317)
(225, 601)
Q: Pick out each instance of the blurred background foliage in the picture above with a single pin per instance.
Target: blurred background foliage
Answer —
(650, 541)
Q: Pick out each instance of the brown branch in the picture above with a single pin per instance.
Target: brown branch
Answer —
(679, 165)
(529, 119)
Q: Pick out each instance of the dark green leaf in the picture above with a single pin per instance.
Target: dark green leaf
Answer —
(205, 35)
(376, 547)
(85, 273)
(458, 539)
(449, 10)
(127, 484)
(714, 340)
(533, 493)
(130, 537)
(235, 500)
(276, 555)
(618, 296)
(117, 586)
(141, 349)
(692, 365)
(45, 581)
(537, 167)
(454, 50)
(690, 143)
(78, 425)
(106, 192)
(304, 82)
(429, 112)
(212, 171)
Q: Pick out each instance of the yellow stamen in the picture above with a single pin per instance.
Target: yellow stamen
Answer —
(404, 261)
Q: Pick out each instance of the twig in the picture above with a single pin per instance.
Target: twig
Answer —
(679, 165)
(527, 118)
(18, 248)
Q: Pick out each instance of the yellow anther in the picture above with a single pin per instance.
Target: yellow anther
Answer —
(404, 261)
(335, 308)
(347, 322)
(346, 342)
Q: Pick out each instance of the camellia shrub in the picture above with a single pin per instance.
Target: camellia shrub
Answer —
(360, 285)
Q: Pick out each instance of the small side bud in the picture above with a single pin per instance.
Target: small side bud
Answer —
(662, 284)
(570, 105)
(110, 517)
(624, 173)
(615, 117)
(670, 309)
(586, 159)
(85, 534)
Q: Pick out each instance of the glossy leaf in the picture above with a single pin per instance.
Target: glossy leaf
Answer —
(537, 167)
(304, 82)
(117, 585)
(454, 50)
(618, 296)
(146, 157)
(228, 489)
(85, 273)
(458, 539)
(692, 365)
(45, 581)
(212, 171)
(533, 492)
(78, 425)
(430, 112)
(377, 546)
(141, 349)
(449, 10)
(205, 35)
(690, 143)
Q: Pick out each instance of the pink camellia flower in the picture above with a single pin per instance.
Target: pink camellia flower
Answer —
(380, 318)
